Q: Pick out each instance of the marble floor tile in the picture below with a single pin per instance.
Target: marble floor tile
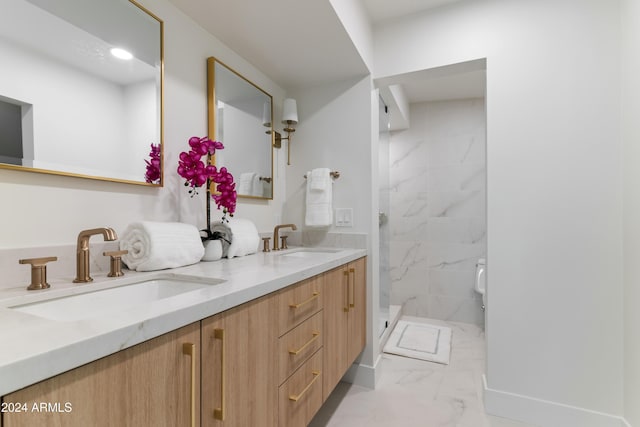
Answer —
(416, 393)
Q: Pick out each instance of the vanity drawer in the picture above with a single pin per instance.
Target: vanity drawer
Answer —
(298, 345)
(300, 397)
(299, 302)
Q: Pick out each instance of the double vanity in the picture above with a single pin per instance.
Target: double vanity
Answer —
(260, 340)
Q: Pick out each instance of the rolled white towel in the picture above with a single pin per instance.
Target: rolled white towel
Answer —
(160, 245)
(243, 235)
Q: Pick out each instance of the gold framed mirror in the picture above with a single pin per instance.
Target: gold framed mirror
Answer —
(239, 114)
(68, 106)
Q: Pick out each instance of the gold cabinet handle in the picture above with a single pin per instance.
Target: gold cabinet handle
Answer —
(346, 289)
(218, 413)
(353, 288)
(315, 295)
(293, 397)
(189, 349)
(316, 334)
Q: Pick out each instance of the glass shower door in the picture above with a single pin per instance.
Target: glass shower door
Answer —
(384, 204)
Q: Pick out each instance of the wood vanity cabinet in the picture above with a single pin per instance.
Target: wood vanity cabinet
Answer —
(269, 362)
(344, 320)
(155, 383)
(238, 366)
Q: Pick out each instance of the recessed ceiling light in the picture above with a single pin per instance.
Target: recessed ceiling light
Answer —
(121, 53)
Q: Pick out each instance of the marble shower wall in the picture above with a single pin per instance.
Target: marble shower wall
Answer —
(438, 215)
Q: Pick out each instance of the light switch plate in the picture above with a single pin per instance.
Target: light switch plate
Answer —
(344, 217)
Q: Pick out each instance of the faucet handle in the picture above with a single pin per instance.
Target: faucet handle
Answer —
(38, 271)
(265, 244)
(115, 263)
(283, 242)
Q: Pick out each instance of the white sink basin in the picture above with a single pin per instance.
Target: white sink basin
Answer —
(107, 301)
(309, 252)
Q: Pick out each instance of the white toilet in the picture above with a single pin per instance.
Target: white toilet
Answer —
(481, 280)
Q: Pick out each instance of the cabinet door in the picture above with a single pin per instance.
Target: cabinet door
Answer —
(357, 325)
(335, 318)
(151, 384)
(239, 357)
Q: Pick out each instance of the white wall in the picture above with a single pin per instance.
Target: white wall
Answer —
(333, 132)
(631, 140)
(41, 210)
(554, 203)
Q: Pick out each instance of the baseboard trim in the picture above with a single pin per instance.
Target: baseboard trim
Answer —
(543, 412)
(362, 375)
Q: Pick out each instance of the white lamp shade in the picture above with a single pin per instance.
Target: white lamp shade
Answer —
(266, 114)
(289, 111)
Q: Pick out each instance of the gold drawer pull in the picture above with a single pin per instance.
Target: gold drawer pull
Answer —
(293, 397)
(316, 334)
(346, 307)
(218, 413)
(189, 349)
(315, 295)
(353, 288)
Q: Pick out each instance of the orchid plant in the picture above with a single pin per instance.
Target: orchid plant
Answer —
(152, 174)
(196, 174)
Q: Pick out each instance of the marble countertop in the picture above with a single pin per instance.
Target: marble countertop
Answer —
(34, 348)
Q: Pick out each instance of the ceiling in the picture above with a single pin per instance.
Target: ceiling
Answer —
(384, 10)
(303, 44)
(296, 43)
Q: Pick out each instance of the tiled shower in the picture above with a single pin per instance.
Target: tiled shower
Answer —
(437, 214)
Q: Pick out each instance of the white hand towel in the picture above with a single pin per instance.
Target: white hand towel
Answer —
(245, 186)
(160, 245)
(319, 179)
(243, 235)
(319, 210)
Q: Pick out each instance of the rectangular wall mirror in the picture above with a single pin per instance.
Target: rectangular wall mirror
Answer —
(240, 117)
(68, 106)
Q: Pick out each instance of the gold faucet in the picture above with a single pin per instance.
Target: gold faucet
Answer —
(82, 251)
(277, 230)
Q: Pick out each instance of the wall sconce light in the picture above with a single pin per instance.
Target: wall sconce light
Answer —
(289, 119)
